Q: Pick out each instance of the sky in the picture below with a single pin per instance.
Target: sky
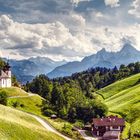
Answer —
(67, 29)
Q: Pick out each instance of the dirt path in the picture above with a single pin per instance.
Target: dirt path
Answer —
(49, 128)
(41, 121)
(28, 95)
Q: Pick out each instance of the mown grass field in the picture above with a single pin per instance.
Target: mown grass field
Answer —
(16, 125)
(123, 97)
(119, 86)
(13, 91)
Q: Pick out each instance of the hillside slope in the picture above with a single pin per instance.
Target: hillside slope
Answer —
(123, 97)
(32, 103)
(18, 125)
(13, 91)
(119, 86)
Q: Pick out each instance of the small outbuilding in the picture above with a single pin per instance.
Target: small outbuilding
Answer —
(53, 116)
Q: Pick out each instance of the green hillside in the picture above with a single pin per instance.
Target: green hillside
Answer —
(122, 95)
(21, 100)
(13, 91)
(31, 104)
(119, 86)
(123, 98)
(16, 125)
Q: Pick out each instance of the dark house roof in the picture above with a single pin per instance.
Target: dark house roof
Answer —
(109, 121)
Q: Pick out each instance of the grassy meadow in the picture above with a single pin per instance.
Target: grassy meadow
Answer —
(33, 104)
(17, 125)
(30, 104)
(13, 91)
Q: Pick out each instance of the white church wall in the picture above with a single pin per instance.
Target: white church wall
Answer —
(8, 83)
(5, 83)
(0, 83)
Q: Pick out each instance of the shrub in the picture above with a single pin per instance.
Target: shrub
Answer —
(133, 114)
(3, 98)
(22, 105)
(67, 129)
(79, 124)
(49, 112)
(15, 104)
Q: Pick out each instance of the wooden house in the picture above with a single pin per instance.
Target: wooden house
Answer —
(106, 127)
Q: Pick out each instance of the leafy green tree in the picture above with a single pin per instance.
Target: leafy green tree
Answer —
(99, 108)
(57, 97)
(72, 114)
(14, 81)
(137, 67)
(2, 63)
(40, 85)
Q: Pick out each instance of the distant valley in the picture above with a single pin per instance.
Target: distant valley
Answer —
(26, 70)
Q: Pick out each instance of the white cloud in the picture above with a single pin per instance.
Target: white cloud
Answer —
(112, 3)
(42, 39)
(75, 2)
(136, 8)
(59, 41)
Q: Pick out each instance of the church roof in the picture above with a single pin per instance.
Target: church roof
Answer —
(3, 74)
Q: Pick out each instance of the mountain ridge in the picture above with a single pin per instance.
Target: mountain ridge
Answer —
(26, 69)
(102, 58)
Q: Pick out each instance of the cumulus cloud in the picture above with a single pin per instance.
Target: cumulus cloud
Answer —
(45, 39)
(135, 8)
(70, 40)
(112, 3)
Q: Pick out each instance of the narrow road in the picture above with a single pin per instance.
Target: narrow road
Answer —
(48, 127)
(41, 121)
(84, 135)
(20, 96)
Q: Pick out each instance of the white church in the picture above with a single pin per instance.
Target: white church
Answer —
(5, 77)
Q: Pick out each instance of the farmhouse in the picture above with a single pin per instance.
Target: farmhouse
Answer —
(109, 127)
(5, 77)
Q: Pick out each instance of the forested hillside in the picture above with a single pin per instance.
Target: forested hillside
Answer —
(74, 97)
